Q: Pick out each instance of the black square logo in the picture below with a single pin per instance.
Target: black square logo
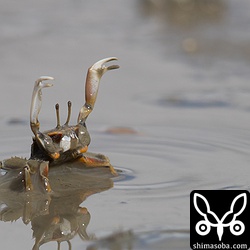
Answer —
(219, 219)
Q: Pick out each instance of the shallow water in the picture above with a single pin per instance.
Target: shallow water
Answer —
(182, 91)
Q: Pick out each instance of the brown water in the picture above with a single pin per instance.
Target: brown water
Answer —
(182, 91)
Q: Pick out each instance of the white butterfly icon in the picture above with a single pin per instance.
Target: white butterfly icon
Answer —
(203, 227)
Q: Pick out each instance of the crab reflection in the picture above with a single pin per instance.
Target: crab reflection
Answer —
(59, 215)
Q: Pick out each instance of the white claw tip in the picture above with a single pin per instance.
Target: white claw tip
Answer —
(100, 64)
(41, 84)
(44, 78)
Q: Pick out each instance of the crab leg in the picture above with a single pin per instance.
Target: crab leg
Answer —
(36, 102)
(27, 178)
(44, 170)
(93, 78)
(97, 160)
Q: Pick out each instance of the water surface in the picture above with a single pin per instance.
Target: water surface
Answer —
(182, 92)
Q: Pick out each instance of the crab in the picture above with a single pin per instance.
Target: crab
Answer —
(65, 143)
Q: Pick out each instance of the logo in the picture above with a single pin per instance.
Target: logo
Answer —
(219, 219)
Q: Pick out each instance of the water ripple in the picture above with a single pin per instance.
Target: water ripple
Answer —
(183, 158)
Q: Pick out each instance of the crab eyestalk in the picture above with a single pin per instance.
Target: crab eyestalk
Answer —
(36, 101)
(58, 125)
(69, 113)
(93, 78)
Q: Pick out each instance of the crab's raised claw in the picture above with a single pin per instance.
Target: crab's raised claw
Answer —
(93, 78)
(36, 101)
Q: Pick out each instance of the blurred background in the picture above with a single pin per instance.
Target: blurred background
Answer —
(176, 53)
(182, 91)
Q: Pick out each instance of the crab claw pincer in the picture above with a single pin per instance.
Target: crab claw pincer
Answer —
(94, 75)
(36, 101)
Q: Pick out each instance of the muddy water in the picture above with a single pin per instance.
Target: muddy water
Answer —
(182, 92)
